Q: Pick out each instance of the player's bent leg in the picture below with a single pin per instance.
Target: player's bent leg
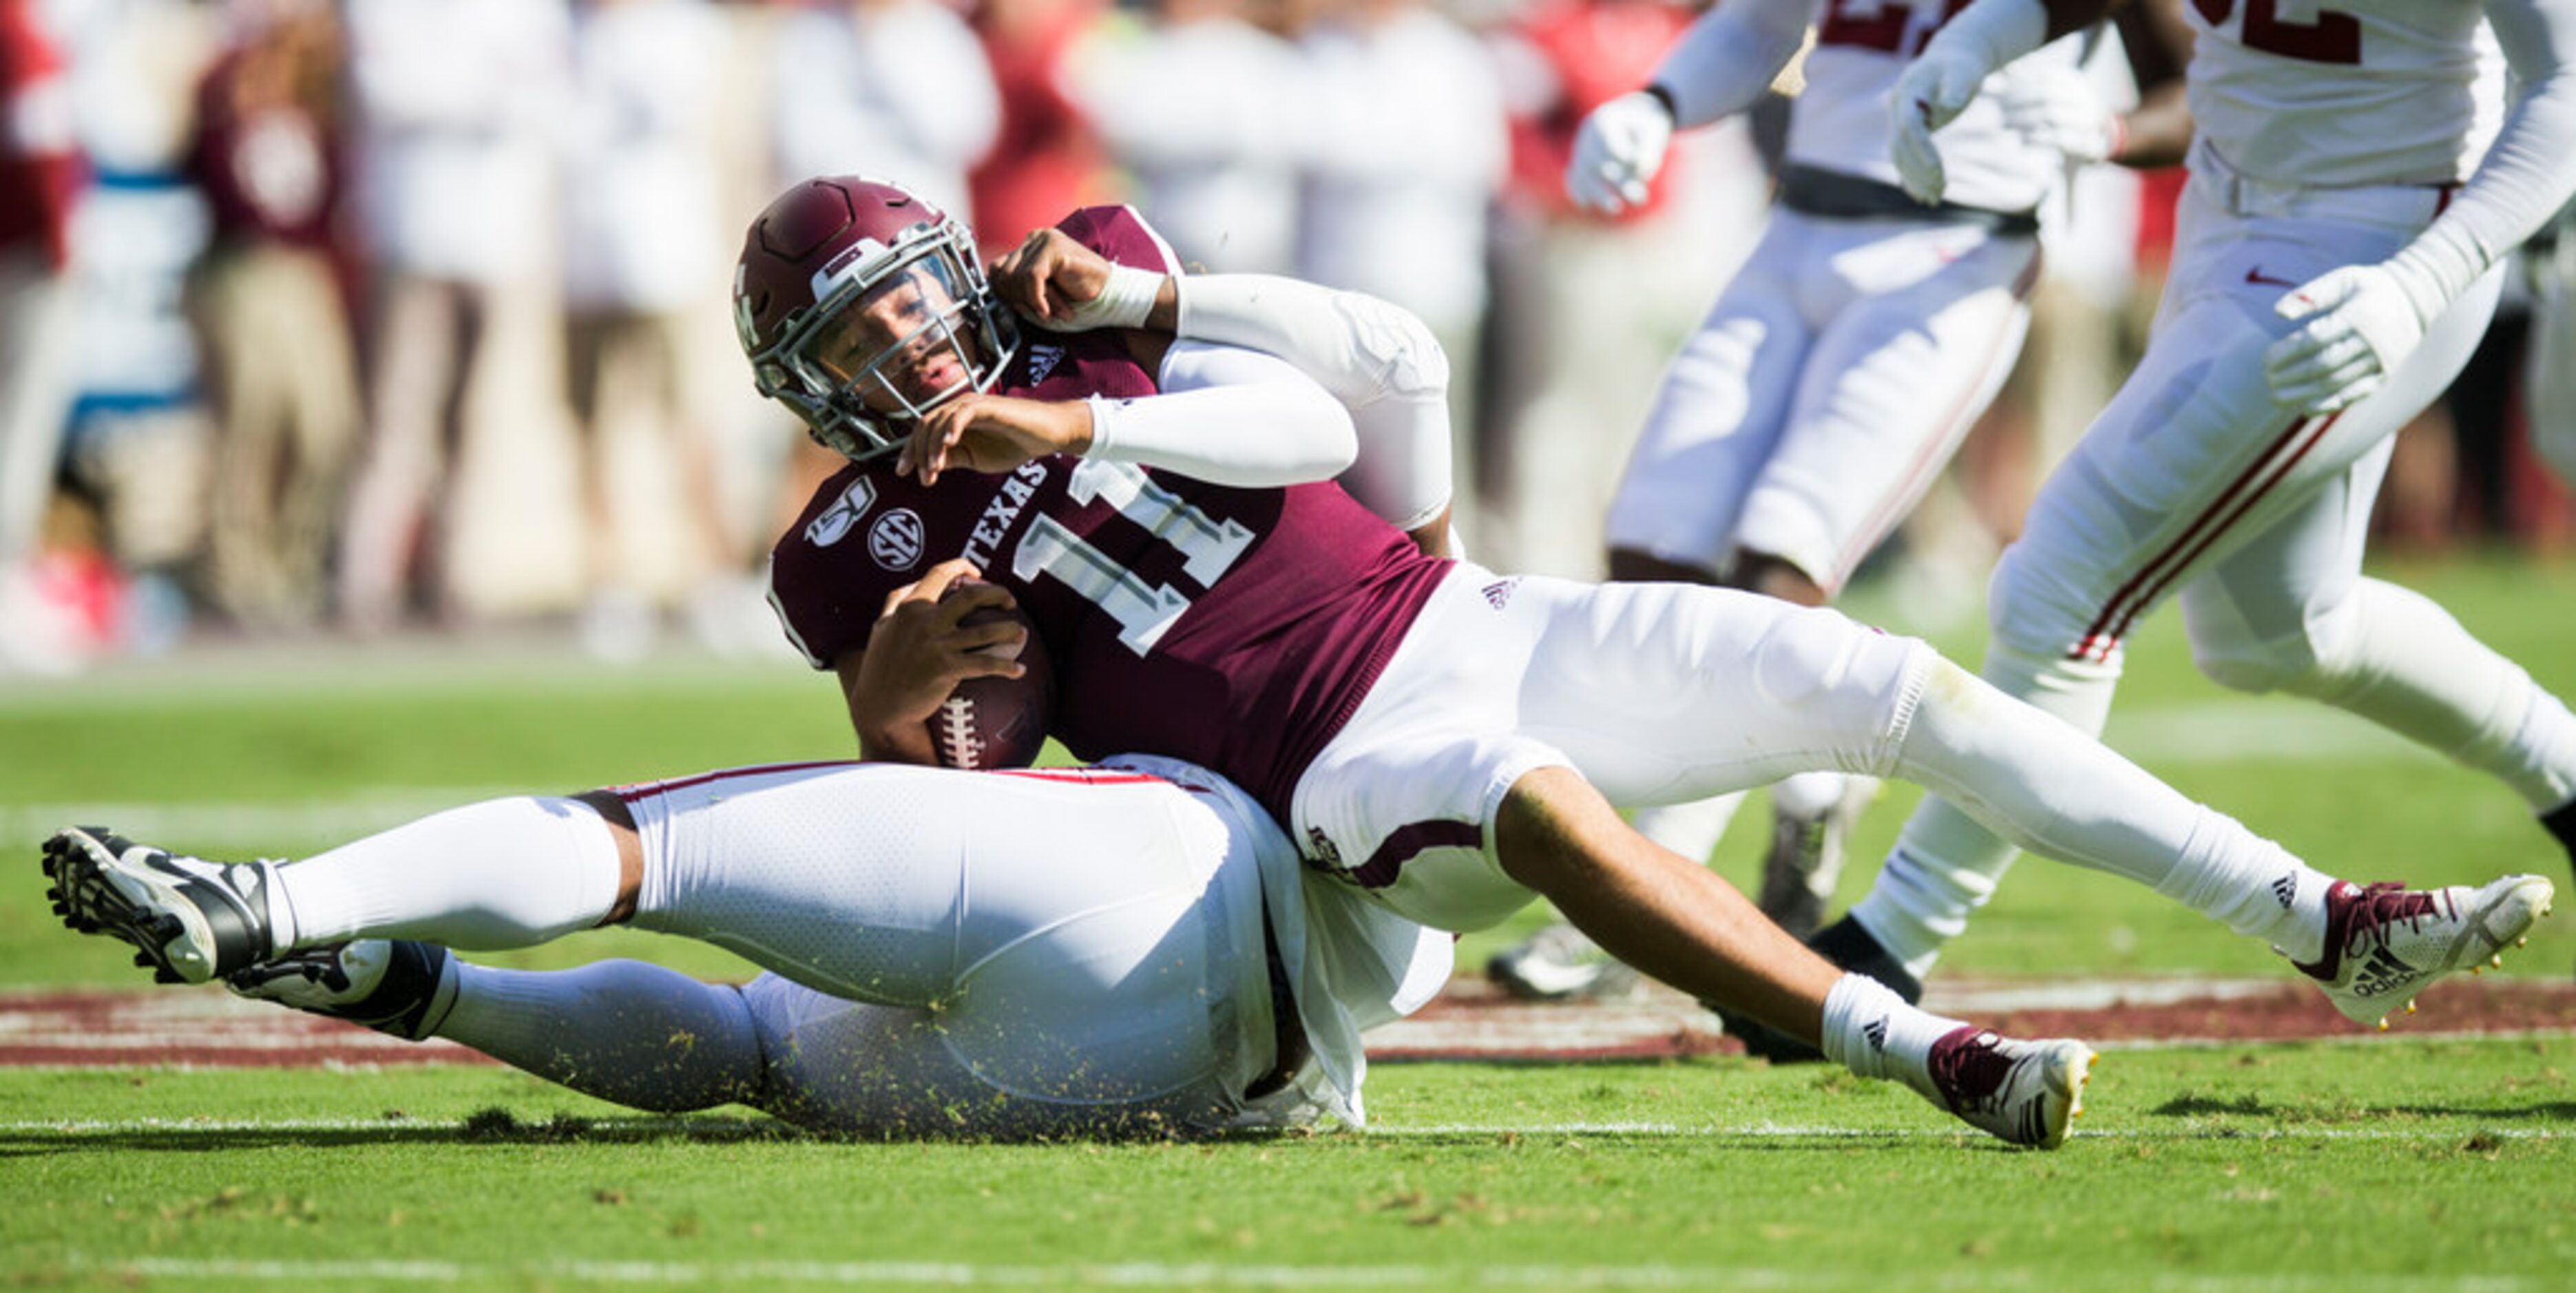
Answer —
(1684, 925)
(625, 1031)
(637, 1034)
(891, 1071)
(2267, 621)
(2057, 792)
(507, 873)
(887, 884)
(1946, 863)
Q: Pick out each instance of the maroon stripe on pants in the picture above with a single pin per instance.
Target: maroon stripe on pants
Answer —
(1406, 842)
(2101, 637)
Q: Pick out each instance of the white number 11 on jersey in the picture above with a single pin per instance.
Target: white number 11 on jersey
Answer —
(1144, 611)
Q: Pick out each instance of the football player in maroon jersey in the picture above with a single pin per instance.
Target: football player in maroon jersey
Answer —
(1447, 739)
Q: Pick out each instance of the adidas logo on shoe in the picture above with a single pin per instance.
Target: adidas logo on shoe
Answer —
(2383, 973)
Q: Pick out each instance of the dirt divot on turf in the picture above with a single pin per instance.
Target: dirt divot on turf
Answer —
(1471, 1021)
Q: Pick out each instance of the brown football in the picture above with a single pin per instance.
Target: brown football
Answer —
(997, 722)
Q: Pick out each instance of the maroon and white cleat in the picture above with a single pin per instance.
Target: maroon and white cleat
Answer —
(2386, 943)
(2021, 1092)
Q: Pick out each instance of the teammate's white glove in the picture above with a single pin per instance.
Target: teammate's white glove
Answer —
(1617, 153)
(2360, 323)
(2057, 108)
(1932, 91)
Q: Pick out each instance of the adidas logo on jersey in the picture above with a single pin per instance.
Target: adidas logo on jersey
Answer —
(1042, 361)
(2286, 889)
(1498, 594)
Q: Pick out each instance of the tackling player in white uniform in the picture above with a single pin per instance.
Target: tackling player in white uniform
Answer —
(2333, 267)
(1131, 948)
(1843, 364)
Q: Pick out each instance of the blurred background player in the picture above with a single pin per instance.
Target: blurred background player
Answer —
(270, 155)
(2333, 268)
(40, 172)
(1842, 366)
(1128, 949)
(640, 202)
(453, 101)
(896, 85)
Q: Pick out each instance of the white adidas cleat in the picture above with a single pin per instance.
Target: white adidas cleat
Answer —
(2024, 1093)
(2386, 943)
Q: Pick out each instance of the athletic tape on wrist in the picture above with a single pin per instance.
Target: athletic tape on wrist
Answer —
(1123, 302)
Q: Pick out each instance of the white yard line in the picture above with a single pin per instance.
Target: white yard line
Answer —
(1210, 1274)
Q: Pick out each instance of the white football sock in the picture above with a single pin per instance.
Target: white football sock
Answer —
(1691, 829)
(2057, 792)
(640, 1035)
(500, 874)
(1946, 864)
(1871, 1031)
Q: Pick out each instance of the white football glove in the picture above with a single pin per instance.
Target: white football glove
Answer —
(1933, 91)
(2360, 324)
(2056, 107)
(1617, 153)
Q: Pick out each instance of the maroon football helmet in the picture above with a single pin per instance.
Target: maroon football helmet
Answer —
(863, 307)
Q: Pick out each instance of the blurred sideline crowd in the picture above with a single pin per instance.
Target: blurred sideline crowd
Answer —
(385, 315)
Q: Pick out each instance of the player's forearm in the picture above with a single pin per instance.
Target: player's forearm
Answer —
(1728, 58)
(1228, 416)
(2526, 176)
(2157, 132)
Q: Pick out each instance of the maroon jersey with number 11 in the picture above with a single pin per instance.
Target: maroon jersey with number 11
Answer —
(1234, 628)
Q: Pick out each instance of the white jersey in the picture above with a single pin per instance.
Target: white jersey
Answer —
(1841, 120)
(2363, 92)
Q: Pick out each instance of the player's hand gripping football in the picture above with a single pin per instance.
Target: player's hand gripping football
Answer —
(1617, 153)
(991, 433)
(1931, 93)
(920, 650)
(1053, 280)
(2356, 325)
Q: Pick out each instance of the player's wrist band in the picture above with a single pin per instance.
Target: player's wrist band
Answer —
(1124, 302)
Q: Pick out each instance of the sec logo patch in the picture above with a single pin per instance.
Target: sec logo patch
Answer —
(895, 540)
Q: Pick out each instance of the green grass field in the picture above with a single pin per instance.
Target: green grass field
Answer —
(2364, 1163)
